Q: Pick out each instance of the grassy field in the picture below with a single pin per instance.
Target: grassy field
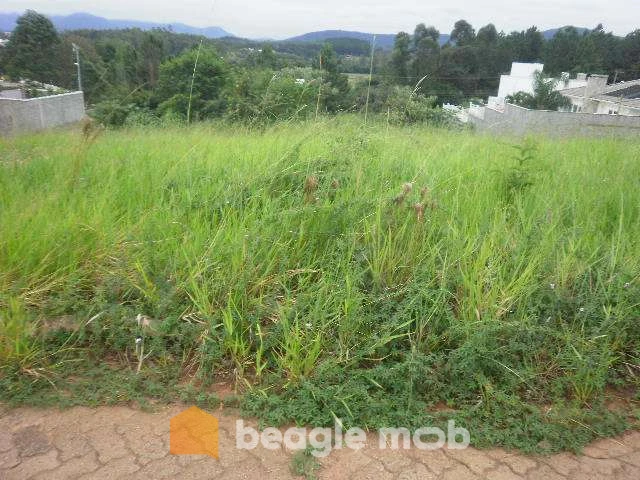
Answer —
(388, 277)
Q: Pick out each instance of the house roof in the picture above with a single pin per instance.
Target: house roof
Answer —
(624, 93)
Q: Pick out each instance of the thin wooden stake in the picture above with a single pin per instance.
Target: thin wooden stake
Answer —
(366, 108)
(319, 90)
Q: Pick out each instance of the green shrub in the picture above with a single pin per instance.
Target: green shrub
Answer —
(112, 113)
(408, 108)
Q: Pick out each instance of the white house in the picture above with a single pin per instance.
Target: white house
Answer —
(597, 97)
(522, 79)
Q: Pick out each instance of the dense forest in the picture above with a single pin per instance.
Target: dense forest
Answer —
(129, 74)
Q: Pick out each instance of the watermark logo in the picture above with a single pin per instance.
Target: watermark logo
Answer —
(324, 440)
(194, 432)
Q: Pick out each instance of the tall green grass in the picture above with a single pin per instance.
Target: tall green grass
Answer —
(338, 270)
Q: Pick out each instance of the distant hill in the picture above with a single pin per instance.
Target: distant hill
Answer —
(384, 41)
(549, 34)
(86, 21)
(82, 21)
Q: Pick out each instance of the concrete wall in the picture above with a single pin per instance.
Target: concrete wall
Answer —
(519, 121)
(14, 93)
(572, 83)
(19, 116)
(595, 84)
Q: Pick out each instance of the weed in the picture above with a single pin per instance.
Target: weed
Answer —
(19, 349)
(331, 270)
(305, 464)
(519, 177)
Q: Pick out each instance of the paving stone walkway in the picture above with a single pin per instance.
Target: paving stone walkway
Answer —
(121, 442)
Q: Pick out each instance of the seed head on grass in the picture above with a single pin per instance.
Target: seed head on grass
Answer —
(335, 185)
(406, 191)
(90, 130)
(310, 188)
(399, 199)
(419, 208)
(144, 322)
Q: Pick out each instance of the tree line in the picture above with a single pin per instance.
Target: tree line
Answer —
(134, 74)
(471, 63)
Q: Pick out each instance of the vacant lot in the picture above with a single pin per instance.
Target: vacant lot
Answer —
(382, 276)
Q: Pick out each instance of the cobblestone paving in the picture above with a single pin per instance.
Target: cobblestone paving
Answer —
(121, 442)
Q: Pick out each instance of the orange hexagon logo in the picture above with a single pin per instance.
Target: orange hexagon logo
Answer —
(194, 432)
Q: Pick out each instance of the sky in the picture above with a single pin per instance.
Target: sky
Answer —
(284, 18)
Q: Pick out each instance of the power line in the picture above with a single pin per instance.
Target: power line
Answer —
(416, 77)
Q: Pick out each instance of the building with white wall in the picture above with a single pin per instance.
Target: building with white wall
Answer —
(597, 97)
(522, 79)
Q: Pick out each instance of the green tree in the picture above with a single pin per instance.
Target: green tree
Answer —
(152, 53)
(401, 56)
(545, 96)
(524, 46)
(94, 83)
(335, 85)
(177, 75)
(422, 32)
(561, 52)
(599, 52)
(327, 60)
(631, 55)
(267, 57)
(426, 49)
(463, 33)
(532, 45)
(488, 35)
(32, 49)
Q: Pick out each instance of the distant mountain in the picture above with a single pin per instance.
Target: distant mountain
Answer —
(81, 21)
(549, 34)
(86, 21)
(383, 41)
(386, 41)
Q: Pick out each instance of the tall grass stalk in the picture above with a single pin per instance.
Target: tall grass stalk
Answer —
(347, 266)
(366, 107)
(319, 89)
(193, 80)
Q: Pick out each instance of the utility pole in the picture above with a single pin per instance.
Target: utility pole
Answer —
(615, 79)
(76, 51)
